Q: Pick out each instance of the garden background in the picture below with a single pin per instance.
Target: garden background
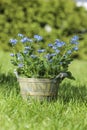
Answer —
(51, 19)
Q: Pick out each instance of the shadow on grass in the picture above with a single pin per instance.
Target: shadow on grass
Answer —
(69, 92)
(8, 82)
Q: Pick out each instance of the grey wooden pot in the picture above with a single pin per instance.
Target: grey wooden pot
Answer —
(40, 89)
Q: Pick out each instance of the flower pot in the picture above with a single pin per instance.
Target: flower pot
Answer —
(38, 89)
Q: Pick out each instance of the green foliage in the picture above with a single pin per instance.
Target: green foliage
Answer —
(30, 17)
(37, 61)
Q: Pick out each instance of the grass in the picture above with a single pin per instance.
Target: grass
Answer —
(69, 112)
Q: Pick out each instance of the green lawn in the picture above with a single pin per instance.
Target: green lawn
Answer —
(69, 112)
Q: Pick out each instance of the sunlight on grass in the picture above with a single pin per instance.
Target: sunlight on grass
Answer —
(5, 64)
(79, 70)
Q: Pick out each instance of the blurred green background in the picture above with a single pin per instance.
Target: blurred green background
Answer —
(49, 18)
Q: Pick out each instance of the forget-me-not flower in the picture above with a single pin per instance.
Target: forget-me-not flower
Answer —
(38, 38)
(13, 41)
(74, 40)
(20, 65)
(25, 39)
(50, 45)
(69, 52)
(59, 43)
(75, 48)
(12, 54)
(20, 35)
(41, 50)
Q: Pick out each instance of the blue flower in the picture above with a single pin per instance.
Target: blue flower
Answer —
(30, 40)
(27, 48)
(12, 54)
(41, 50)
(25, 39)
(74, 40)
(50, 60)
(57, 51)
(19, 56)
(59, 43)
(53, 54)
(33, 56)
(20, 35)
(20, 65)
(50, 45)
(75, 48)
(13, 41)
(38, 38)
(25, 51)
(69, 52)
(47, 56)
(54, 47)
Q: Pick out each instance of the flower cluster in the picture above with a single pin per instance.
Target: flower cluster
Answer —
(39, 60)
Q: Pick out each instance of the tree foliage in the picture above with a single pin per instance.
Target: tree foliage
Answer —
(49, 18)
